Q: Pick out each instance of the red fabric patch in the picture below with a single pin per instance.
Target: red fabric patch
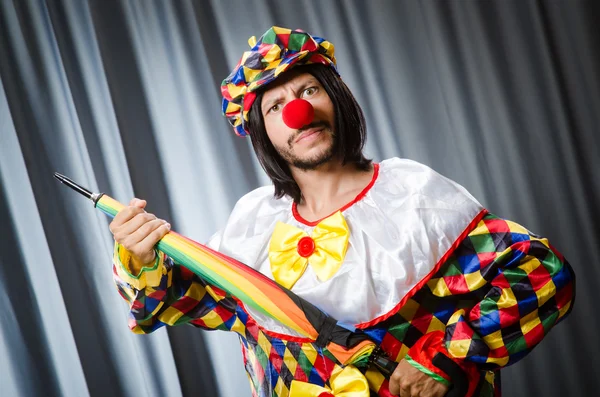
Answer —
(158, 295)
(186, 274)
(474, 313)
(285, 39)
(137, 305)
(318, 58)
(422, 319)
(485, 258)
(275, 359)
(199, 322)
(539, 277)
(457, 284)
(185, 304)
(223, 313)
(324, 367)
(252, 328)
(249, 100)
(501, 281)
(497, 226)
(300, 375)
(509, 315)
(309, 45)
(462, 331)
(225, 93)
(534, 336)
(391, 345)
(564, 296)
(521, 246)
(502, 351)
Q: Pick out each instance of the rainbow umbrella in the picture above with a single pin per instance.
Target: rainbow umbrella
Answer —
(254, 289)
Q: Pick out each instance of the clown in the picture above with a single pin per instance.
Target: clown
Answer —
(446, 289)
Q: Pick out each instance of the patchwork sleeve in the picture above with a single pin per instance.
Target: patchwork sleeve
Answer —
(508, 289)
(169, 294)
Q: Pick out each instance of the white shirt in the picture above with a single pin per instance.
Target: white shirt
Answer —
(403, 224)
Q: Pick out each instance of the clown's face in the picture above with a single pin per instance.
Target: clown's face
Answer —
(312, 145)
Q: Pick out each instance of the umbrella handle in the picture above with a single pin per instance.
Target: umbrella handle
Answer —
(460, 382)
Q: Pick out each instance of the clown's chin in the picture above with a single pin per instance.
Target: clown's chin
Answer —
(310, 161)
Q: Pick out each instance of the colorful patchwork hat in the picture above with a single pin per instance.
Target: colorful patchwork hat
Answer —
(278, 50)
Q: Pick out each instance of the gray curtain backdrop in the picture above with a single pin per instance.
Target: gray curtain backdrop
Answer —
(123, 96)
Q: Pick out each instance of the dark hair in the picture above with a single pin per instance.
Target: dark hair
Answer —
(350, 129)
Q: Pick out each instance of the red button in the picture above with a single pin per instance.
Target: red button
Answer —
(306, 246)
(326, 394)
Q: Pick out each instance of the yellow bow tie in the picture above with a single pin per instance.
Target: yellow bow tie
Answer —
(291, 249)
(346, 382)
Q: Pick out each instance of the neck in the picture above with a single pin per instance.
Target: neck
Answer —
(328, 187)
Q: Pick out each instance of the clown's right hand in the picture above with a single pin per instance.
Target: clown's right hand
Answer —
(138, 232)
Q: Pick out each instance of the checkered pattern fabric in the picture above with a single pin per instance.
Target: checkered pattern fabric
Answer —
(276, 51)
(487, 306)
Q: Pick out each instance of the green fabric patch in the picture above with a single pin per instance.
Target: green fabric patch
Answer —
(269, 37)
(514, 275)
(483, 243)
(550, 321)
(296, 41)
(263, 359)
(453, 269)
(517, 345)
(304, 363)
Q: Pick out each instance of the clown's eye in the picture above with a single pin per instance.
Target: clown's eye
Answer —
(309, 91)
(275, 108)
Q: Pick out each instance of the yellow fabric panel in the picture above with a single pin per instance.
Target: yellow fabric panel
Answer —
(545, 293)
(530, 321)
(494, 340)
(148, 276)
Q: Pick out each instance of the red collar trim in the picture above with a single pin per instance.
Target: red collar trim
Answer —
(360, 196)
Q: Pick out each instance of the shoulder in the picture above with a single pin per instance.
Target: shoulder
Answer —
(408, 171)
(409, 178)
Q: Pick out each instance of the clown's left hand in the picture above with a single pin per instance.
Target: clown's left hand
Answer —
(407, 381)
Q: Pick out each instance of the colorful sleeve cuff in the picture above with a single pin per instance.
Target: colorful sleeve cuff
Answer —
(430, 356)
(427, 371)
(149, 276)
(421, 355)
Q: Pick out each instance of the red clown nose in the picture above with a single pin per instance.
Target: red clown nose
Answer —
(298, 113)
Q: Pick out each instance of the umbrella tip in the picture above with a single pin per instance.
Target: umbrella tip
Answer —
(68, 182)
(60, 177)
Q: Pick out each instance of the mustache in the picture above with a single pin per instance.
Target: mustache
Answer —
(316, 124)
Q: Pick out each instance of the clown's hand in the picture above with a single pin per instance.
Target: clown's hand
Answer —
(138, 232)
(407, 381)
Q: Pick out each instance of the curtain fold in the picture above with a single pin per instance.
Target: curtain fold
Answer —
(123, 97)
